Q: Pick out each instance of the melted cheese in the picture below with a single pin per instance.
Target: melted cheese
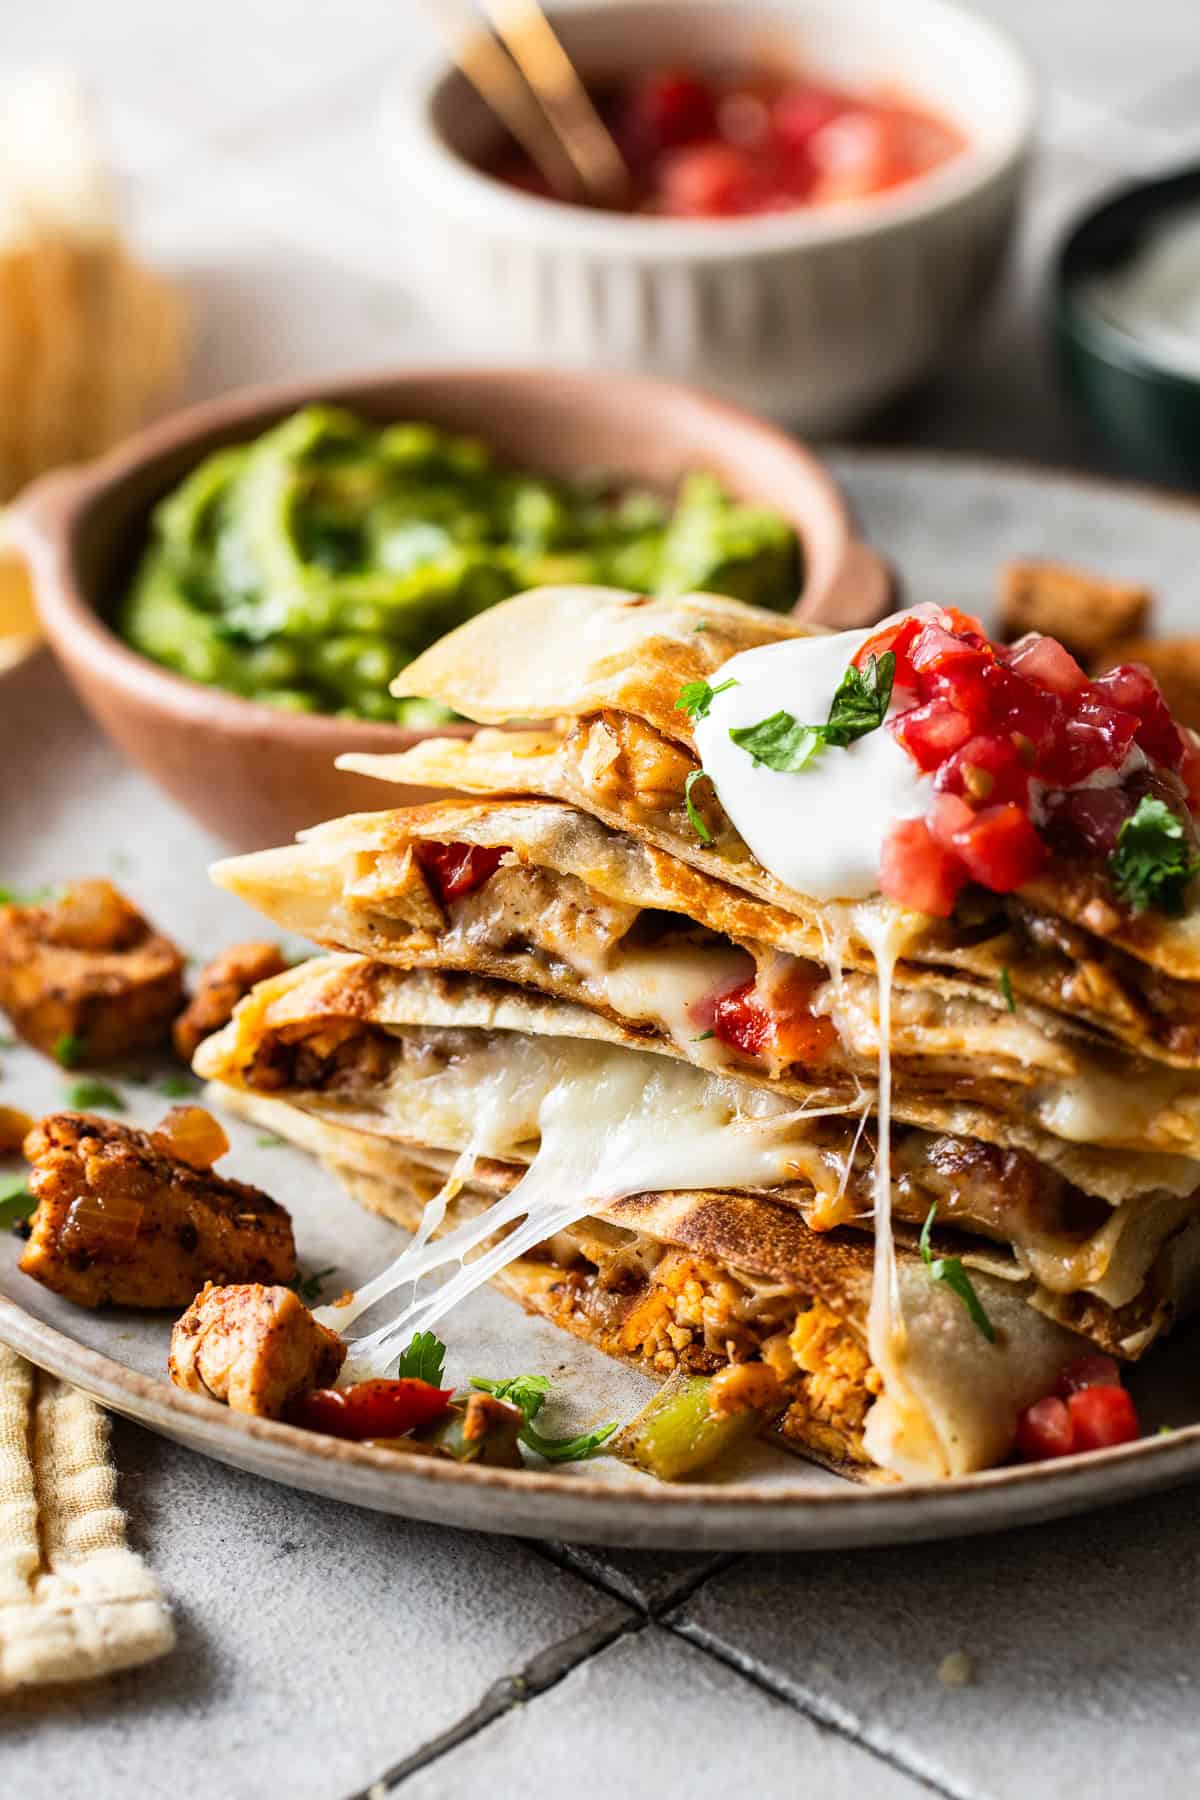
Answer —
(597, 1123)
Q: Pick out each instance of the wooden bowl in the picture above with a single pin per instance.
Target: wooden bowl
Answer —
(254, 774)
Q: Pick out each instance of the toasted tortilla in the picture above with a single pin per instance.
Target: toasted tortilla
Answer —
(968, 1392)
(592, 655)
(578, 912)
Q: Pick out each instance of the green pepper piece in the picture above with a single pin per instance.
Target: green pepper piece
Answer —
(676, 1434)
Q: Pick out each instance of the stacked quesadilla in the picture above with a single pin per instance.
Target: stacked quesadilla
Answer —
(628, 1025)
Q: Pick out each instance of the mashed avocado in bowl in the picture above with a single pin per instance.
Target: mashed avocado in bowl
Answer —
(306, 568)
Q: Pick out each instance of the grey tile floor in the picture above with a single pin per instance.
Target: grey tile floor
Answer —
(326, 1653)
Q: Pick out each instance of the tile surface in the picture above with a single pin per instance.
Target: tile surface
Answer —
(658, 1718)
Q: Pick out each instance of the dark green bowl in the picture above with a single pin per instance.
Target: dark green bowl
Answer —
(1145, 416)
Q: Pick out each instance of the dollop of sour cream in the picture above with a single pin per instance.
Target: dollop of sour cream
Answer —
(821, 829)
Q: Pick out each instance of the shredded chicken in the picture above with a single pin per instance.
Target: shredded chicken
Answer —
(222, 984)
(258, 1349)
(86, 977)
(123, 1221)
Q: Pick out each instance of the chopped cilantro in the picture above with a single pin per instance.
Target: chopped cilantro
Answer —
(697, 823)
(88, 1094)
(308, 1287)
(424, 1360)
(700, 625)
(703, 1035)
(1006, 989)
(860, 706)
(16, 1202)
(950, 1270)
(178, 1087)
(35, 896)
(696, 697)
(529, 1394)
(68, 1051)
(1152, 864)
(267, 1140)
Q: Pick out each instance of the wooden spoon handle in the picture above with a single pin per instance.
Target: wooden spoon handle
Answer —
(858, 592)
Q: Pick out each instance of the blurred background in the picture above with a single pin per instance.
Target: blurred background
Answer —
(248, 151)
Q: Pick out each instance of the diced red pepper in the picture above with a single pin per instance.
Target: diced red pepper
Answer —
(1101, 1416)
(1044, 1430)
(372, 1409)
(1093, 1370)
(918, 872)
(453, 870)
(741, 1021)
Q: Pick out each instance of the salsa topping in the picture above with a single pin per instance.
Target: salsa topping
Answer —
(762, 141)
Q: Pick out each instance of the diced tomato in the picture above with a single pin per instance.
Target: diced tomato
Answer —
(1101, 1416)
(672, 107)
(800, 111)
(1093, 1370)
(707, 181)
(897, 637)
(931, 733)
(939, 652)
(1133, 688)
(371, 1409)
(1000, 848)
(961, 623)
(1045, 1430)
(949, 814)
(1189, 770)
(1043, 661)
(985, 771)
(453, 870)
(742, 1021)
(918, 872)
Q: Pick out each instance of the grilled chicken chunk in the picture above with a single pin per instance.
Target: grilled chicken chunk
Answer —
(86, 977)
(258, 1349)
(135, 1218)
(222, 984)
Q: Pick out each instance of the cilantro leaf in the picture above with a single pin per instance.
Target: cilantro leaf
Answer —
(68, 1050)
(697, 823)
(178, 1087)
(860, 706)
(16, 1202)
(85, 1095)
(529, 1393)
(424, 1360)
(308, 1287)
(1152, 864)
(950, 1270)
(696, 697)
(1006, 989)
(267, 1140)
(561, 1450)
(703, 1036)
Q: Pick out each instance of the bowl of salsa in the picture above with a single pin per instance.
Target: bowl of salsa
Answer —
(821, 196)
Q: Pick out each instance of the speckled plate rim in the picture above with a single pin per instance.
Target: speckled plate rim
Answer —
(529, 1503)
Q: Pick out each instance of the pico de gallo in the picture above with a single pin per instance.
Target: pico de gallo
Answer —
(1031, 758)
(704, 147)
(1090, 1411)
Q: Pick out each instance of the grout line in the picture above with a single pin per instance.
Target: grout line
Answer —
(566, 1556)
(542, 1672)
(825, 1717)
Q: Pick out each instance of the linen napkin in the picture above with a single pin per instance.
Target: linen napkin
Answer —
(75, 1601)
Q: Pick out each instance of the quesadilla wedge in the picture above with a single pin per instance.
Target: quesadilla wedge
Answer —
(608, 670)
(364, 1065)
(543, 895)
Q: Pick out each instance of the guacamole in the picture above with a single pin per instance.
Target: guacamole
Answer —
(306, 568)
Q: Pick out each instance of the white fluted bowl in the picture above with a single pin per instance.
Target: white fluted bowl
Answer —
(814, 316)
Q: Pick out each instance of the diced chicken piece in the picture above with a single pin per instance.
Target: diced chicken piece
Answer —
(256, 1348)
(222, 984)
(1084, 612)
(124, 1219)
(1174, 663)
(86, 977)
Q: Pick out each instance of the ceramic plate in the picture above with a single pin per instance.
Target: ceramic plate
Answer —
(77, 809)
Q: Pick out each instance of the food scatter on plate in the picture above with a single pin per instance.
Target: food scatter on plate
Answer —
(762, 141)
(1031, 825)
